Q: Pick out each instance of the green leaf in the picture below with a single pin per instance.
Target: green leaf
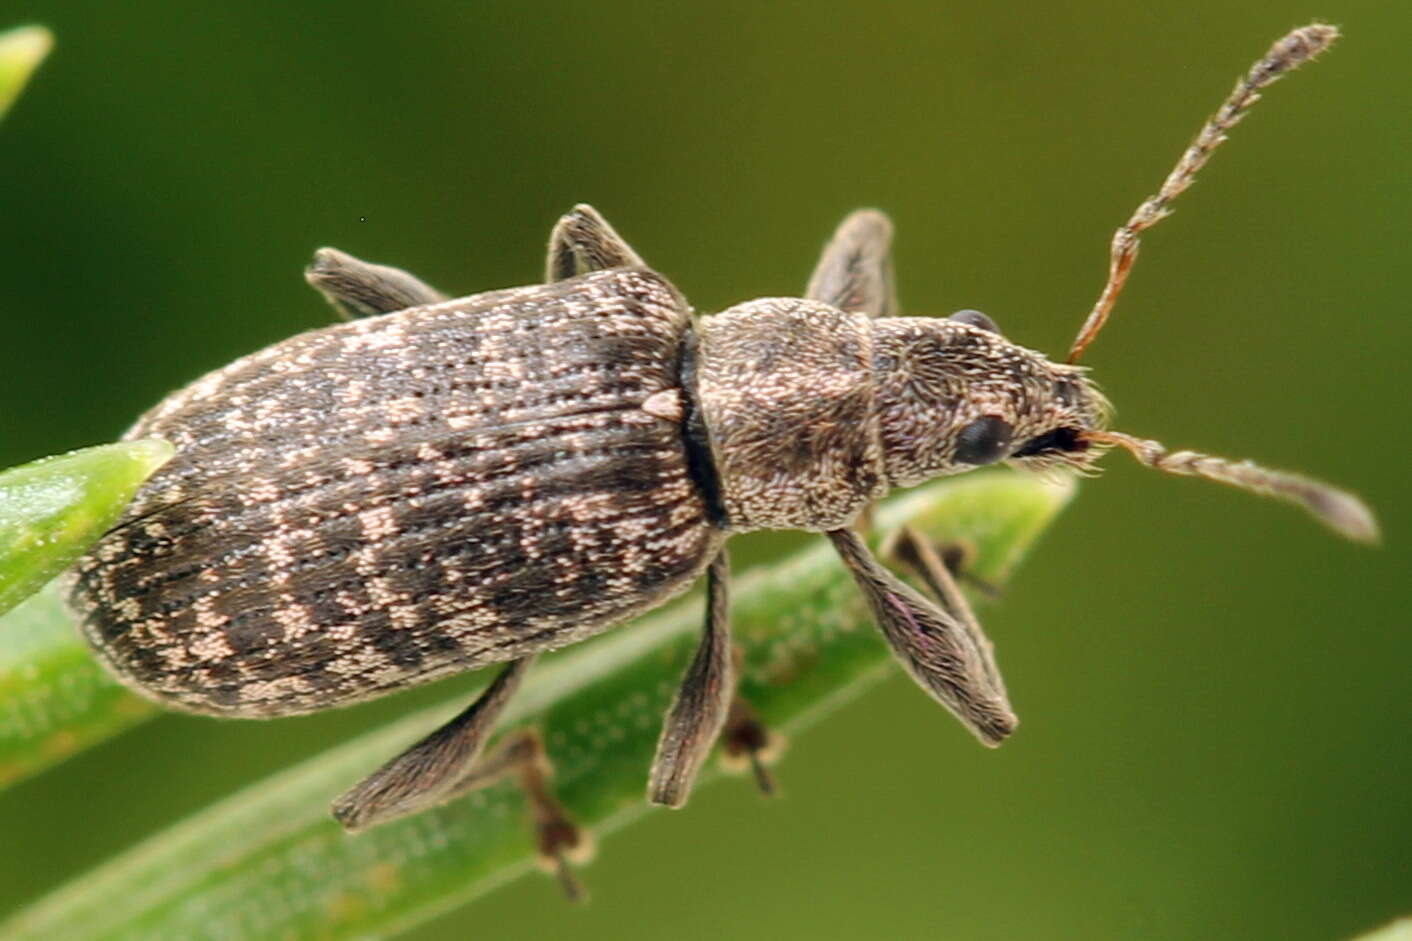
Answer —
(269, 862)
(1400, 930)
(53, 509)
(21, 51)
(54, 697)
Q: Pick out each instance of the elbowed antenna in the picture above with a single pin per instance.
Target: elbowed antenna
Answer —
(1337, 509)
(1286, 55)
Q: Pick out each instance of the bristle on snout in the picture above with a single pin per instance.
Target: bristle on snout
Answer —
(1337, 509)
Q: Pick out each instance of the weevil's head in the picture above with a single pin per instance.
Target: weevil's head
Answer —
(954, 394)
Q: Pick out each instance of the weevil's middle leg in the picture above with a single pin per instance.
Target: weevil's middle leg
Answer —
(558, 840)
(583, 241)
(433, 770)
(357, 288)
(746, 742)
(699, 711)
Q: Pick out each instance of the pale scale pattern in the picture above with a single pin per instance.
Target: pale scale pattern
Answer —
(381, 503)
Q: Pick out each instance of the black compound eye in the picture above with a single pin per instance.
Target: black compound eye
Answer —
(984, 441)
(976, 319)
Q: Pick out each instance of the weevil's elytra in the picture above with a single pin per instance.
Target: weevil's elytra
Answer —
(440, 484)
(391, 500)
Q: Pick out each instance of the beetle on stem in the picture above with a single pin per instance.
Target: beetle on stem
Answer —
(438, 485)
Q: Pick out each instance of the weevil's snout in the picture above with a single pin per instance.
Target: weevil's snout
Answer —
(1074, 409)
(1060, 443)
(954, 394)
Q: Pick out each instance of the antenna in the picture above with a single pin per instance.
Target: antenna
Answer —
(1286, 55)
(1339, 510)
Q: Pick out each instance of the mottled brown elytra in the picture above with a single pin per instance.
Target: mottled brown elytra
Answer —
(437, 485)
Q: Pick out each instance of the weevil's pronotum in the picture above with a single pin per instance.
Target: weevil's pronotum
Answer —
(438, 485)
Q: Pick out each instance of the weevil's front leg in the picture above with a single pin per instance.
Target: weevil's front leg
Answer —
(855, 271)
(924, 558)
(357, 288)
(702, 703)
(912, 549)
(583, 241)
(935, 647)
(432, 770)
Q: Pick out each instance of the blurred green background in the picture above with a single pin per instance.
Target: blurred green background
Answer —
(1216, 738)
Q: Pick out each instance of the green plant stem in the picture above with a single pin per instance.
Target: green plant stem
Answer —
(269, 862)
(54, 698)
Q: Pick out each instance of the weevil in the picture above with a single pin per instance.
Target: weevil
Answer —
(437, 485)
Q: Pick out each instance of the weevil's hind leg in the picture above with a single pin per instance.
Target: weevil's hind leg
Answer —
(937, 569)
(938, 649)
(583, 241)
(855, 271)
(430, 772)
(699, 711)
(357, 288)
(558, 840)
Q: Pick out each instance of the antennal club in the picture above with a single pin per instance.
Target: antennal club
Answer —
(1339, 510)
(1284, 56)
